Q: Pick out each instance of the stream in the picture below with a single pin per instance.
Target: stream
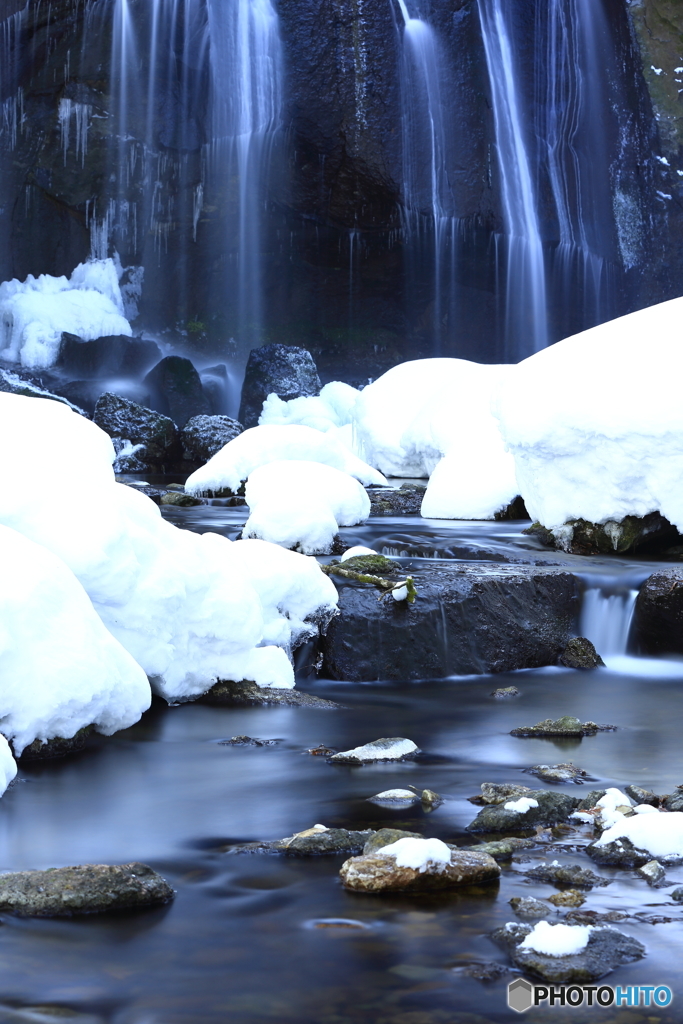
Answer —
(256, 938)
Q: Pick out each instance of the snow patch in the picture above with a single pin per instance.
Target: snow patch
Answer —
(419, 854)
(661, 834)
(557, 939)
(520, 806)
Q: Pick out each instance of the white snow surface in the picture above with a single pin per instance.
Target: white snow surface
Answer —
(395, 796)
(8, 766)
(60, 669)
(35, 312)
(521, 806)
(356, 551)
(557, 939)
(583, 450)
(182, 604)
(608, 804)
(432, 418)
(259, 446)
(385, 749)
(420, 854)
(331, 409)
(661, 834)
(301, 505)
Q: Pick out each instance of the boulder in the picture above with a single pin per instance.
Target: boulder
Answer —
(87, 889)
(109, 356)
(465, 620)
(658, 618)
(203, 436)
(375, 872)
(176, 390)
(313, 842)
(386, 836)
(539, 807)
(284, 370)
(580, 653)
(568, 725)
(619, 853)
(605, 950)
(572, 875)
(653, 873)
(128, 421)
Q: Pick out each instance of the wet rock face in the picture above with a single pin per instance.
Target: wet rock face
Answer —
(129, 421)
(203, 436)
(549, 810)
(285, 370)
(380, 873)
(607, 949)
(658, 620)
(110, 355)
(87, 889)
(465, 620)
(226, 693)
(567, 875)
(581, 654)
(649, 533)
(619, 853)
(176, 390)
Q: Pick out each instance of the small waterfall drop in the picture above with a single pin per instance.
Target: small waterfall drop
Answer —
(526, 298)
(430, 222)
(606, 618)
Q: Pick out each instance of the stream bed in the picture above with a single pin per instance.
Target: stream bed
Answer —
(255, 938)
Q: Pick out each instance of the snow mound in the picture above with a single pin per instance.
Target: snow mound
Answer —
(354, 552)
(259, 446)
(420, 854)
(392, 748)
(661, 834)
(608, 814)
(61, 669)
(301, 505)
(182, 604)
(432, 418)
(8, 766)
(595, 422)
(521, 806)
(557, 939)
(331, 409)
(35, 312)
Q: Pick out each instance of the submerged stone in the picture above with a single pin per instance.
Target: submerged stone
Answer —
(557, 773)
(86, 889)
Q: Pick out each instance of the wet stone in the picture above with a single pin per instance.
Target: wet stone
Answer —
(568, 898)
(642, 796)
(677, 895)
(312, 842)
(248, 741)
(491, 971)
(393, 748)
(580, 654)
(387, 836)
(376, 872)
(86, 889)
(180, 500)
(606, 950)
(620, 853)
(500, 792)
(503, 849)
(551, 808)
(505, 692)
(57, 746)
(674, 802)
(589, 801)
(558, 773)
(226, 693)
(530, 908)
(565, 726)
(570, 875)
(653, 873)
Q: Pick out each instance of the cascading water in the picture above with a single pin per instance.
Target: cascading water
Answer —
(526, 294)
(430, 220)
(607, 616)
(246, 65)
(11, 117)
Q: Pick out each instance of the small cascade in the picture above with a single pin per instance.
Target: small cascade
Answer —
(429, 213)
(606, 617)
(526, 312)
(247, 87)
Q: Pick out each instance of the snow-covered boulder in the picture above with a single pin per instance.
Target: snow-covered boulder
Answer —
(180, 603)
(285, 370)
(261, 445)
(34, 313)
(300, 504)
(332, 408)
(60, 669)
(595, 423)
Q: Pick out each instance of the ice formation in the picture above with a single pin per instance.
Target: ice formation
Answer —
(301, 505)
(182, 604)
(35, 312)
(259, 446)
(586, 451)
(61, 669)
(557, 939)
(420, 854)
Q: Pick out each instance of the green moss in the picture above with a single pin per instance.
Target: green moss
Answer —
(373, 565)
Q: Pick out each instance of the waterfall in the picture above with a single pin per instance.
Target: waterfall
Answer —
(11, 121)
(429, 206)
(526, 300)
(606, 618)
(246, 65)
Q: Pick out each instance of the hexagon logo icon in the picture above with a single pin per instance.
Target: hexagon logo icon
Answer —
(520, 995)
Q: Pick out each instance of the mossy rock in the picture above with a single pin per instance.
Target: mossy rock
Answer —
(56, 746)
(372, 565)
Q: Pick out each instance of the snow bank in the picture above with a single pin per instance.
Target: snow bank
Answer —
(60, 668)
(8, 766)
(258, 446)
(432, 418)
(661, 834)
(301, 505)
(557, 939)
(595, 422)
(182, 604)
(331, 409)
(420, 854)
(35, 312)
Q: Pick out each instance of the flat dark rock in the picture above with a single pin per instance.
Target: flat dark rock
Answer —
(229, 694)
(86, 889)
(312, 843)
(466, 619)
(566, 726)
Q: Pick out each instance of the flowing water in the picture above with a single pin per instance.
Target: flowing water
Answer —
(261, 938)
